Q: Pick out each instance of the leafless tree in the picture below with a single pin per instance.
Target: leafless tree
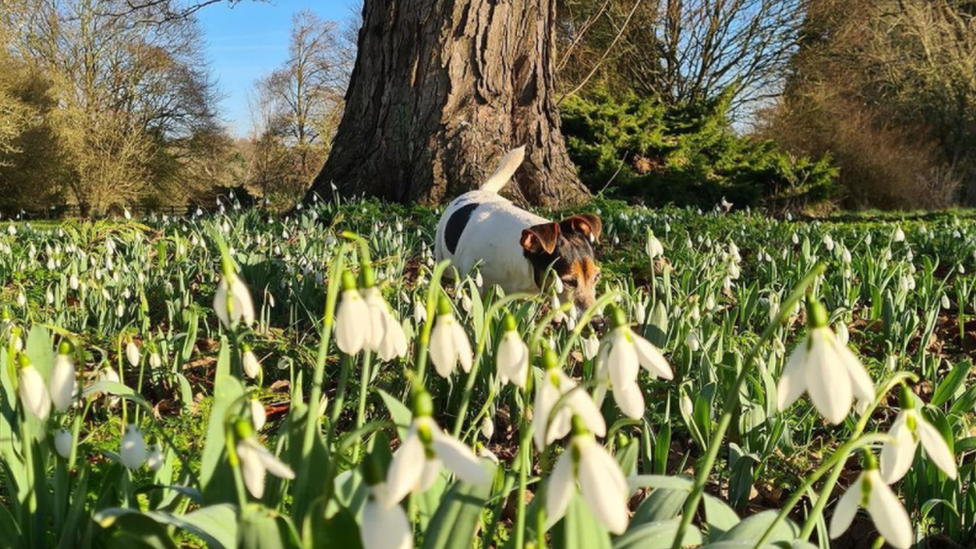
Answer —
(683, 50)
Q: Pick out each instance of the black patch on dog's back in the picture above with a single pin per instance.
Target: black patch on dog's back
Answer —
(456, 224)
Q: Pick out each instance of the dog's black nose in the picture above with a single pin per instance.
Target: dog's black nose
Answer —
(599, 323)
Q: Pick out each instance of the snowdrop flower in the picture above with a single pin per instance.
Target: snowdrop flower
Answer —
(908, 430)
(232, 302)
(134, 451)
(601, 482)
(654, 247)
(259, 416)
(692, 341)
(487, 428)
(899, 235)
(591, 346)
(250, 362)
(870, 492)
(384, 523)
(843, 333)
(387, 337)
(63, 383)
(155, 361)
(155, 458)
(132, 354)
(945, 302)
(826, 369)
(828, 242)
(32, 390)
(448, 342)
(553, 424)
(425, 450)
(419, 312)
(353, 326)
(109, 374)
(513, 355)
(621, 358)
(256, 461)
(63, 441)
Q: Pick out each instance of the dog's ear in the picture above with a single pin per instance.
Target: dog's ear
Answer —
(588, 225)
(540, 238)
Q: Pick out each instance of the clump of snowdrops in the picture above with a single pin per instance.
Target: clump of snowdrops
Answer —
(440, 412)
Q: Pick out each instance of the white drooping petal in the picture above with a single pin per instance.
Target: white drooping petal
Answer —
(243, 305)
(432, 472)
(252, 470)
(463, 348)
(561, 488)
(630, 400)
(256, 462)
(602, 484)
(271, 463)
(33, 393)
(394, 342)
(846, 510)
(554, 386)
(251, 365)
(793, 382)
(651, 358)
(64, 383)
(62, 443)
(377, 317)
(132, 354)
(155, 458)
(406, 468)
(133, 451)
(545, 397)
(458, 458)
(898, 453)
(238, 297)
(443, 346)
(353, 327)
(888, 513)
(828, 381)
(622, 360)
(581, 404)
(936, 447)
(259, 416)
(513, 359)
(385, 526)
(861, 382)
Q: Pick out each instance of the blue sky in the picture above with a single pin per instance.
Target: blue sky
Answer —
(249, 40)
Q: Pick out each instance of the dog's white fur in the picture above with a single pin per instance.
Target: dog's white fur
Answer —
(491, 240)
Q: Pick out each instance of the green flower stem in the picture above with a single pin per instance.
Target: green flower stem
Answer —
(478, 356)
(524, 456)
(340, 398)
(318, 376)
(235, 464)
(715, 442)
(423, 342)
(361, 410)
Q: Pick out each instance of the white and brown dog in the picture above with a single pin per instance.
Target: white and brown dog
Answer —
(514, 248)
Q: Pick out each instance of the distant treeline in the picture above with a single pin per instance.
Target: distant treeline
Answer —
(787, 104)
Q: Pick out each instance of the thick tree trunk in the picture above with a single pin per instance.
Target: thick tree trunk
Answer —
(440, 91)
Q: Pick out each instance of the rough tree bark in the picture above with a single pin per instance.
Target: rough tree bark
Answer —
(440, 91)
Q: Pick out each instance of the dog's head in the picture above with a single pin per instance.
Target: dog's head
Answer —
(566, 247)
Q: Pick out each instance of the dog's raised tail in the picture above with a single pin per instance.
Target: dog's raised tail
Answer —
(506, 169)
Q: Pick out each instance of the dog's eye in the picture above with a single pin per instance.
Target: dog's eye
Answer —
(570, 282)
